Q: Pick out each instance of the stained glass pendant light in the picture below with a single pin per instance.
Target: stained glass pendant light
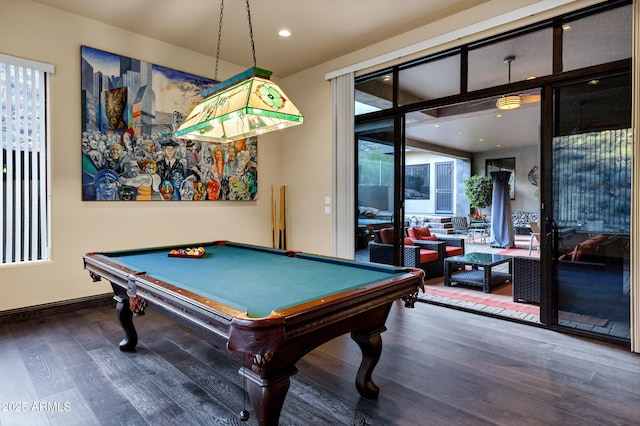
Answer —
(248, 104)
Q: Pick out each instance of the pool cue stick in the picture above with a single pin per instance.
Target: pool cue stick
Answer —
(284, 217)
(283, 234)
(273, 219)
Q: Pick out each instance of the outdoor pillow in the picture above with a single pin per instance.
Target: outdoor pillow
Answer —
(386, 236)
(418, 233)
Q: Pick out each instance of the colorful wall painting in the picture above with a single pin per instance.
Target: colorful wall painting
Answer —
(131, 110)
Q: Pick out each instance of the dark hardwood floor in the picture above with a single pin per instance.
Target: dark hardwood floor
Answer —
(438, 367)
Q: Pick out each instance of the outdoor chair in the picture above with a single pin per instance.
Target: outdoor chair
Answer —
(423, 237)
(535, 236)
(426, 255)
(453, 246)
(460, 225)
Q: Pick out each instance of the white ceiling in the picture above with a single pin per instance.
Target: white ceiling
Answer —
(480, 131)
(321, 30)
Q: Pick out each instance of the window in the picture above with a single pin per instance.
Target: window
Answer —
(416, 182)
(606, 36)
(374, 93)
(531, 56)
(432, 79)
(24, 235)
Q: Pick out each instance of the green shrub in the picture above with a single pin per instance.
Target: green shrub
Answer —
(479, 191)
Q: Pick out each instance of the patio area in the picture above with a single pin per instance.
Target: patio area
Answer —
(499, 302)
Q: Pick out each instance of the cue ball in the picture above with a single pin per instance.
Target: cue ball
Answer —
(244, 415)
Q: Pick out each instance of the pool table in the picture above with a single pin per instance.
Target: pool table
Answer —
(272, 306)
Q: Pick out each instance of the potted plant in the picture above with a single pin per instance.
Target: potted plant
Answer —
(479, 192)
(478, 217)
(365, 234)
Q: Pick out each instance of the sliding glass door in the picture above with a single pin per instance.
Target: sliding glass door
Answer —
(590, 228)
(379, 182)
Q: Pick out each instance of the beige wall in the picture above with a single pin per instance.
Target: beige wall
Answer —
(300, 158)
(306, 163)
(43, 34)
(526, 158)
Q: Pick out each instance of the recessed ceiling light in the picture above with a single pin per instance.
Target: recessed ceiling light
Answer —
(566, 27)
(498, 115)
(594, 82)
(498, 145)
(436, 125)
(284, 33)
(481, 139)
(461, 132)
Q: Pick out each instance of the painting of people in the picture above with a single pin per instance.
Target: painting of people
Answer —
(131, 110)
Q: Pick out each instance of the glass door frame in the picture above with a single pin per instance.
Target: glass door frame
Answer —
(548, 303)
(398, 181)
(399, 187)
(549, 299)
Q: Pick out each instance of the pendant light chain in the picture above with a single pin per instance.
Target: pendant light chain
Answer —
(253, 48)
(268, 109)
(508, 60)
(215, 76)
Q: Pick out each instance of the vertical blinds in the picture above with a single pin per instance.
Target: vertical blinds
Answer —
(24, 159)
(343, 154)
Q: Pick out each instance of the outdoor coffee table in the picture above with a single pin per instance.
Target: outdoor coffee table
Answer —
(485, 277)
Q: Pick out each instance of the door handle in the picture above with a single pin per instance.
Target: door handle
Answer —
(549, 226)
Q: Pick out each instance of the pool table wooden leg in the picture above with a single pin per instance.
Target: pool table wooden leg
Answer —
(125, 317)
(267, 396)
(370, 344)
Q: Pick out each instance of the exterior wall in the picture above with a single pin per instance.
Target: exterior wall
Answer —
(427, 207)
(463, 171)
(423, 206)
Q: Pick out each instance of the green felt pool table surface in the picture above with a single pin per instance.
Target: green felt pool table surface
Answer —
(253, 279)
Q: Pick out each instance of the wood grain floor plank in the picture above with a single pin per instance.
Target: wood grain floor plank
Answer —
(469, 367)
(398, 397)
(46, 372)
(201, 405)
(137, 388)
(68, 408)
(89, 333)
(213, 373)
(101, 394)
(438, 367)
(17, 392)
